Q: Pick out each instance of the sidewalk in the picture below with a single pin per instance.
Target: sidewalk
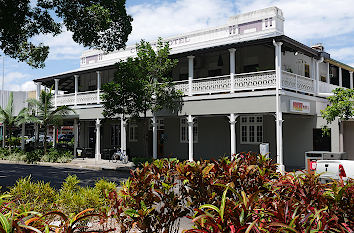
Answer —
(86, 163)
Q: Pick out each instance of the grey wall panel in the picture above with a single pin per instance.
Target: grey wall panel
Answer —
(297, 139)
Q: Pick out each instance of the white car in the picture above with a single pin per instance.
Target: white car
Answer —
(335, 169)
(40, 139)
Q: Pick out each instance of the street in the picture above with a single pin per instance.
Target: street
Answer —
(9, 173)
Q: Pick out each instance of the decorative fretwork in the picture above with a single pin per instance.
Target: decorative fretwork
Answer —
(67, 99)
(326, 87)
(255, 80)
(87, 97)
(182, 86)
(211, 85)
(297, 82)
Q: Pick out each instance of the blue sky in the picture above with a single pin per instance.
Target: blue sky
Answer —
(326, 21)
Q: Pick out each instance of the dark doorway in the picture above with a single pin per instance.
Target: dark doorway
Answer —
(321, 141)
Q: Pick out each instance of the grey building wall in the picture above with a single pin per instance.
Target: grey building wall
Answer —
(19, 100)
(297, 139)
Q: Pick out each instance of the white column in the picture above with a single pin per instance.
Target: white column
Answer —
(279, 114)
(190, 137)
(98, 85)
(341, 138)
(38, 94)
(232, 69)
(76, 136)
(54, 136)
(38, 91)
(98, 140)
(351, 79)
(4, 134)
(56, 88)
(76, 87)
(190, 74)
(123, 135)
(23, 130)
(340, 77)
(233, 142)
(154, 137)
(328, 78)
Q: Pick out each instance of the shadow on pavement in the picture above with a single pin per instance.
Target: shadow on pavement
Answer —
(9, 173)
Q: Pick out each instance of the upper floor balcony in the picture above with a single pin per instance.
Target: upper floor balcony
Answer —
(226, 84)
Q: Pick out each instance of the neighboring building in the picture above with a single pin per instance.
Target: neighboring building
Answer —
(244, 83)
(19, 102)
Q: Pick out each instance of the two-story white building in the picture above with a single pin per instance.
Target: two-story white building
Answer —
(244, 83)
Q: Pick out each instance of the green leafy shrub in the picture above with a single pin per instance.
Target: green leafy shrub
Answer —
(32, 195)
(72, 198)
(34, 156)
(57, 156)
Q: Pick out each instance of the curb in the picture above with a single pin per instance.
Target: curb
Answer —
(73, 166)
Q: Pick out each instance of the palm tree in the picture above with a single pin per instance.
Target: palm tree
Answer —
(47, 113)
(8, 118)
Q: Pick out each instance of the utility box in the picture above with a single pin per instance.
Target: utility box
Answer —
(311, 158)
(264, 149)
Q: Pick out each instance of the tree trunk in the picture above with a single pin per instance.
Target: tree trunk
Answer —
(3, 135)
(10, 137)
(45, 140)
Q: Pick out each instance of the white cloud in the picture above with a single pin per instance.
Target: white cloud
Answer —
(17, 81)
(172, 18)
(62, 46)
(26, 86)
(306, 19)
(345, 53)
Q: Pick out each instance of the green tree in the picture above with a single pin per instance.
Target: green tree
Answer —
(47, 113)
(9, 120)
(143, 83)
(341, 106)
(101, 24)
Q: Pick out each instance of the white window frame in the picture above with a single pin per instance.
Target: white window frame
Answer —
(160, 124)
(133, 136)
(246, 123)
(183, 130)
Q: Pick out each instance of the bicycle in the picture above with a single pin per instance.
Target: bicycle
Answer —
(119, 155)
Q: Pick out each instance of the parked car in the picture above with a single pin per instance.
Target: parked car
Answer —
(335, 169)
(41, 139)
(65, 137)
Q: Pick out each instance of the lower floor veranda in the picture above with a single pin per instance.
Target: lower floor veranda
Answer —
(212, 136)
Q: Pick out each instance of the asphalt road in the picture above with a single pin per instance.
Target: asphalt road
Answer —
(9, 173)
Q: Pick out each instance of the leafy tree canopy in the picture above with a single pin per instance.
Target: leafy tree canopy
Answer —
(341, 105)
(143, 83)
(100, 24)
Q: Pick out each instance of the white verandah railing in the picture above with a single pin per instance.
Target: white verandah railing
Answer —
(221, 84)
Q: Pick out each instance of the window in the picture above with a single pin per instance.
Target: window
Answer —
(307, 70)
(160, 124)
(115, 135)
(184, 130)
(251, 129)
(133, 136)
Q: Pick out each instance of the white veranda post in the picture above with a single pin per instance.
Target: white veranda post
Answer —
(190, 74)
(340, 77)
(351, 79)
(38, 94)
(56, 90)
(232, 69)
(98, 85)
(233, 118)
(76, 77)
(279, 114)
(190, 137)
(23, 129)
(76, 136)
(98, 140)
(154, 137)
(123, 135)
